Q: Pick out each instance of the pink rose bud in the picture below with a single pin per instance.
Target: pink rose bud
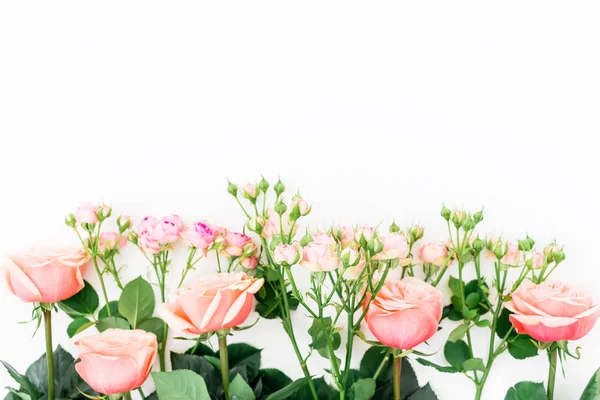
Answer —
(86, 214)
(116, 360)
(111, 241)
(256, 224)
(273, 225)
(249, 262)
(405, 313)
(319, 257)
(364, 234)
(287, 254)
(302, 204)
(323, 238)
(45, 275)
(350, 256)
(211, 303)
(250, 191)
(395, 246)
(167, 230)
(535, 260)
(513, 256)
(353, 272)
(347, 237)
(235, 243)
(124, 222)
(552, 311)
(434, 253)
(103, 211)
(200, 235)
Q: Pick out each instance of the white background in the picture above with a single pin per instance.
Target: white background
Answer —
(374, 110)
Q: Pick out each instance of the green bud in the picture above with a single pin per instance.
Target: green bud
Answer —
(279, 187)
(445, 213)
(525, 245)
(263, 185)
(457, 217)
(394, 228)
(500, 251)
(306, 239)
(280, 208)
(478, 244)
(133, 237)
(478, 216)
(70, 220)
(559, 256)
(416, 232)
(232, 189)
(375, 245)
(468, 224)
(295, 213)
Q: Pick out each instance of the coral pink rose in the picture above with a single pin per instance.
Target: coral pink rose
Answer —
(395, 246)
(200, 235)
(405, 313)
(116, 360)
(211, 303)
(552, 311)
(273, 224)
(435, 253)
(287, 253)
(86, 214)
(45, 275)
(111, 241)
(319, 257)
(235, 243)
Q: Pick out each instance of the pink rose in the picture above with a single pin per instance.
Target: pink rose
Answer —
(45, 275)
(435, 253)
(249, 262)
(319, 257)
(86, 214)
(167, 230)
(147, 244)
(513, 256)
(235, 243)
(200, 235)
(287, 254)
(349, 257)
(536, 259)
(347, 236)
(395, 246)
(552, 311)
(111, 241)
(148, 223)
(273, 224)
(405, 313)
(211, 303)
(323, 238)
(116, 360)
(366, 232)
(103, 211)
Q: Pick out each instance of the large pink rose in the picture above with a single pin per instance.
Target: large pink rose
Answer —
(405, 313)
(395, 246)
(319, 257)
(211, 303)
(45, 275)
(116, 360)
(200, 235)
(552, 311)
(435, 253)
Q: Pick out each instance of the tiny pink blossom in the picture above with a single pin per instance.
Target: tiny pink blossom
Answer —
(86, 214)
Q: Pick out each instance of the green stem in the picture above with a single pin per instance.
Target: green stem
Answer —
(397, 375)
(439, 277)
(385, 360)
(141, 392)
(163, 345)
(552, 355)
(350, 341)
(116, 273)
(127, 396)
(94, 258)
(49, 353)
(224, 357)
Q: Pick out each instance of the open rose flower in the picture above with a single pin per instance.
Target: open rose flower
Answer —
(235, 243)
(287, 254)
(111, 241)
(200, 235)
(45, 275)
(552, 311)
(116, 360)
(86, 214)
(435, 253)
(211, 303)
(405, 313)
(395, 246)
(323, 238)
(319, 257)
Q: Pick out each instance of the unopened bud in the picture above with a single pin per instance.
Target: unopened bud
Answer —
(394, 228)
(525, 245)
(375, 246)
(478, 216)
(279, 187)
(280, 208)
(306, 239)
(263, 185)
(70, 220)
(559, 256)
(232, 189)
(250, 192)
(124, 222)
(133, 237)
(478, 244)
(457, 217)
(445, 213)
(249, 250)
(416, 232)
(255, 224)
(500, 250)
(350, 257)
(103, 212)
(295, 213)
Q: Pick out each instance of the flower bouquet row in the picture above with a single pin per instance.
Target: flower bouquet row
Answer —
(370, 284)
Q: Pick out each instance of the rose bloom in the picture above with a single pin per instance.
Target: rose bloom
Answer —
(346, 235)
(323, 238)
(111, 241)
(435, 253)
(272, 225)
(405, 313)
(200, 235)
(249, 262)
(235, 243)
(211, 303)
(86, 213)
(288, 253)
(45, 275)
(116, 360)
(552, 311)
(147, 244)
(395, 246)
(319, 257)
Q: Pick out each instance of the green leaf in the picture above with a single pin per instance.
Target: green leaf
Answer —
(180, 385)
(527, 391)
(324, 391)
(371, 361)
(424, 393)
(200, 349)
(78, 325)
(112, 322)
(592, 390)
(483, 323)
(242, 354)
(272, 380)
(473, 364)
(457, 353)
(22, 380)
(440, 368)
(362, 389)
(84, 302)
(503, 326)
(458, 332)
(288, 390)
(154, 325)
(201, 366)
(522, 347)
(137, 301)
(239, 389)
(472, 300)
(454, 285)
(114, 310)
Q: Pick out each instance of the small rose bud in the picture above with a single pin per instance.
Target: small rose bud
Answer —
(478, 216)
(124, 222)
(70, 220)
(263, 185)
(295, 213)
(280, 208)
(375, 246)
(287, 254)
(559, 256)
(468, 224)
(133, 237)
(457, 217)
(525, 245)
(86, 214)
(350, 257)
(232, 189)
(302, 205)
(103, 211)
(256, 224)
(279, 187)
(250, 192)
(249, 250)
(445, 213)
(394, 228)
(500, 250)
(306, 239)
(416, 232)
(478, 244)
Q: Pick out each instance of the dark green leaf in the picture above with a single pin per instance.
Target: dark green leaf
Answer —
(526, 391)
(154, 325)
(324, 391)
(592, 390)
(290, 389)
(371, 361)
(114, 310)
(440, 368)
(239, 390)
(362, 389)
(242, 354)
(180, 385)
(200, 349)
(112, 322)
(137, 301)
(424, 393)
(456, 353)
(202, 367)
(23, 381)
(78, 325)
(473, 300)
(84, 302)
(473, 364)
(522, 347)
(503, 326)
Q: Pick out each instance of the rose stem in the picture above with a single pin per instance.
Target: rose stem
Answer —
(224, 356)
(127, 396)
(397, 373)
(49, 353)
(552, 353)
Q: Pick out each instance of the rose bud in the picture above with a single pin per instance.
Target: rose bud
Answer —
(250, 191)
(347, 236)
(86, 214)
(535, 260)
(235, 243)
(416, 232)
(124, 222)
(116, 360)
(111, 241)
(319, 257)
(552, 311)
(256, 224)
(350, 257)
(302, 204)
(273, 224)
(405, 313)
(45, 275)
(200, 235)
(395, 246)
(353, 271)
(211, 303)
(103, 212)
(364, 234)
(512, 256)
(146, 243)
(434, 253)
(287, 254)
(249, 262)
